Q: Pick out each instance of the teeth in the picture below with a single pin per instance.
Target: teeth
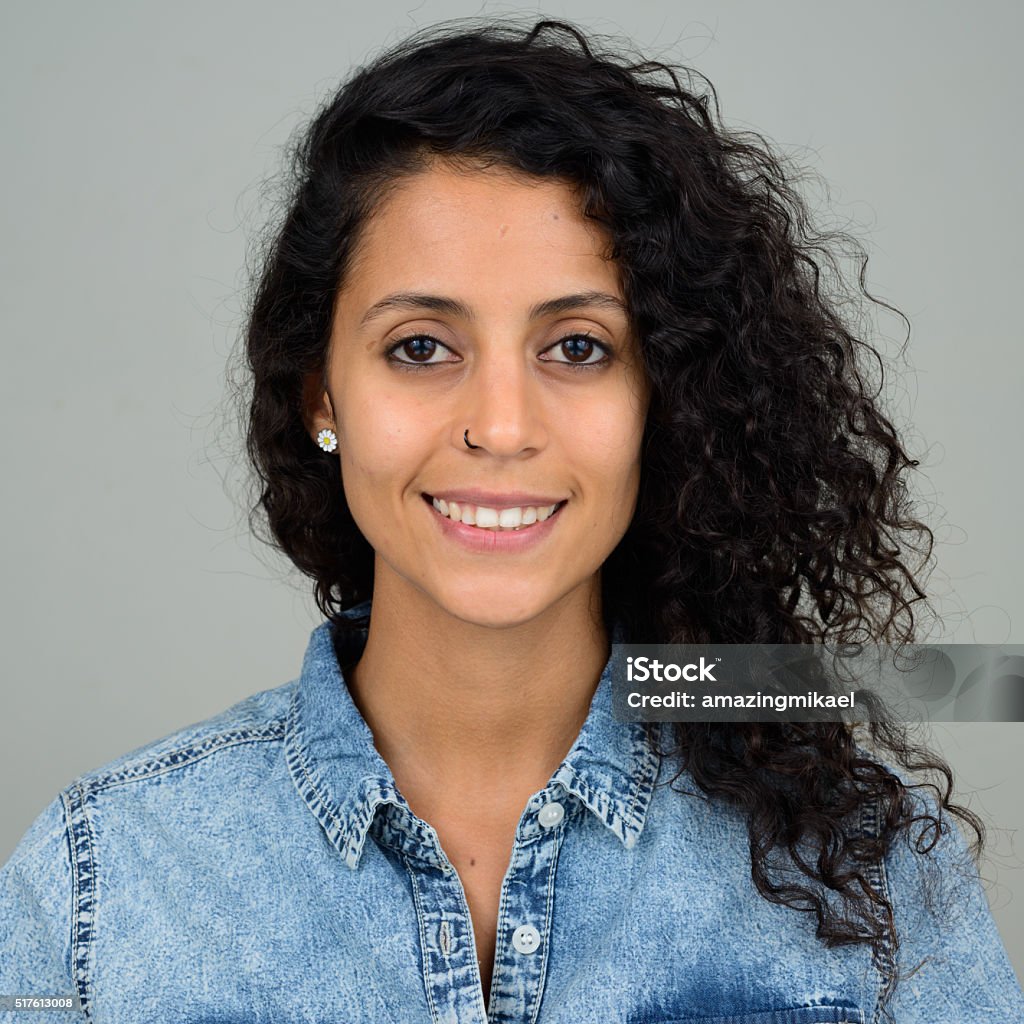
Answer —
(492, 518)
(486, 517)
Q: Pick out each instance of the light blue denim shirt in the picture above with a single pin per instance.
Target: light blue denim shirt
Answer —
(262, 866)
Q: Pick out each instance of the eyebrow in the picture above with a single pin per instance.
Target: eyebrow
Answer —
(452, 307)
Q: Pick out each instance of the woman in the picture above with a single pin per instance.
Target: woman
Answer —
(539, 362)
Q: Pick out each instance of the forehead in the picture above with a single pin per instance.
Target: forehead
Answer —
(481, 225)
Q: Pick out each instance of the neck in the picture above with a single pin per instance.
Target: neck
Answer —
(456, 707)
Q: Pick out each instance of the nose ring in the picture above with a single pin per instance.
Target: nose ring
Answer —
(465, 437)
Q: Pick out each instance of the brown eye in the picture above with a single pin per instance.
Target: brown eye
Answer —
(419, 349)
(580, 350)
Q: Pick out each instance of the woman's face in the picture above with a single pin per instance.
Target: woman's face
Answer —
(480, 301)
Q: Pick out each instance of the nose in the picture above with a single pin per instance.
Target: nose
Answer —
(501, 408)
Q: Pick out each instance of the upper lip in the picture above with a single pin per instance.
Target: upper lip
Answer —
(495, 499)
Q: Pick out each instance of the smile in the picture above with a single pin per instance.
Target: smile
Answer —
(496, 520)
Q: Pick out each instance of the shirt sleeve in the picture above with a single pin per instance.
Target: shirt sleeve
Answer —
(944, 925)
(36, 898)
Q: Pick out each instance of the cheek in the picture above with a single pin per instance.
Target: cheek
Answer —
(374, 439)
(613, 461)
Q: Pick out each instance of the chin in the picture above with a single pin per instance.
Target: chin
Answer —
(495, 617)
(497, 608)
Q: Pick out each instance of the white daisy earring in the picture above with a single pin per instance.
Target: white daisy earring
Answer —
(327, 439)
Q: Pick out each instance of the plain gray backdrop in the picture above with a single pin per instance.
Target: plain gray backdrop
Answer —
(136, 139)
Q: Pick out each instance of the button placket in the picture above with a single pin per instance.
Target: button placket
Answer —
(524, 918)
(446, 943)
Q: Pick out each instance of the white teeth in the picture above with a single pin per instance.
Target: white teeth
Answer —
(486, 517)
(510, 518)
(492, 518)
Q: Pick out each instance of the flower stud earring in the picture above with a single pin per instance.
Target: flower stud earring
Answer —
(327, 439)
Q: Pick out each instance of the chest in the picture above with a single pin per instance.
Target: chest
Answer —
(480, 854)
(588, 930)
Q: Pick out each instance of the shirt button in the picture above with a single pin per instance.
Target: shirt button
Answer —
(551, 814)
(525, 939)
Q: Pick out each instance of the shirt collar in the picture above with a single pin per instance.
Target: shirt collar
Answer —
(611, 767)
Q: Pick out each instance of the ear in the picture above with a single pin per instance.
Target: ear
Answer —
(317, 411)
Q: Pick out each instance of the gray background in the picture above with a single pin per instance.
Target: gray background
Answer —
(136, 138)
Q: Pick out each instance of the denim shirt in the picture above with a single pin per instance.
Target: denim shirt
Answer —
(262, 866)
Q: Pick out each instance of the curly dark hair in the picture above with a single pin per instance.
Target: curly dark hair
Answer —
(772, 506)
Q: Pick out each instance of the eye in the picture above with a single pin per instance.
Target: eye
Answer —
(420, 348)
(580, 350)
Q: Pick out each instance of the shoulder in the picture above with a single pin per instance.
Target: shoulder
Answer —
(258, 719)
(929, 864)
(927, 840)
(113, 827)
(225, 741)
(213, 754)
(944, 928)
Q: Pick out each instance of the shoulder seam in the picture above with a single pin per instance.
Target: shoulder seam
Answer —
(181, 756)
(884, 962)
(83, 885)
